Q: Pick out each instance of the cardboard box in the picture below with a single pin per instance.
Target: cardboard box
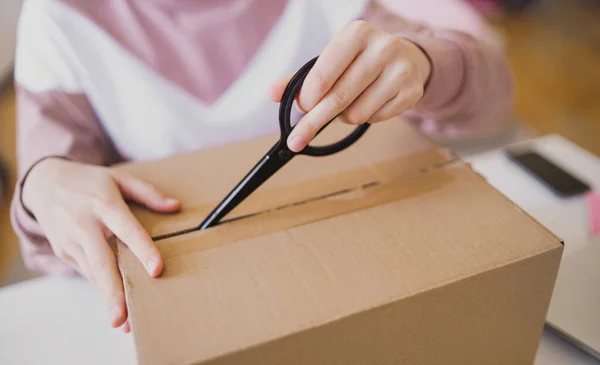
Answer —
(390, 252)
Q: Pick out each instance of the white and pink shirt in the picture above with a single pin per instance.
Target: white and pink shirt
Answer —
(105, 81)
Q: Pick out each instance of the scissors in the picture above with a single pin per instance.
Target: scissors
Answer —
(279, 154)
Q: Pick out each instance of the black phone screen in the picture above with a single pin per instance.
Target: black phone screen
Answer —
(554, 177)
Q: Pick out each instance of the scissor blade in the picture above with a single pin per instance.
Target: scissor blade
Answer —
(263, 170)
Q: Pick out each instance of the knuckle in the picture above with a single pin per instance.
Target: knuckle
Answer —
(393, 42)
(404, 70)
(378, 117)
(312, 129)
(389, 46)
(354, 118)
(385, 52)
(359, 28)
(321, 82)
(339, 98)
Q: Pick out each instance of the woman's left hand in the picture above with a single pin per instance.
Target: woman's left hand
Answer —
(364, 75)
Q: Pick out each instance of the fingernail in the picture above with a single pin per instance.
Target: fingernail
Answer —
(297, 143)
(151, 266)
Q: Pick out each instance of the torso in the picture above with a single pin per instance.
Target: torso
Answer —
(159, 92)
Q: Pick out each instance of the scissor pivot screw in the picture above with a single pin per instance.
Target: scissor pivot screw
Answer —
(285, 155)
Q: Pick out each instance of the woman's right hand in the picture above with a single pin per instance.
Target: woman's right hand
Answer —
(79, 206)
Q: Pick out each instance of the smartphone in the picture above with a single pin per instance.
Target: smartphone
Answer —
(559, 181)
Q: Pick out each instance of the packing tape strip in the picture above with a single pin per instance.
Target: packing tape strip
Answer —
(294, 215)
(160, 225)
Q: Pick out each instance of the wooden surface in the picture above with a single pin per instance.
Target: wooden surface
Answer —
(554, 50)
(9, 251)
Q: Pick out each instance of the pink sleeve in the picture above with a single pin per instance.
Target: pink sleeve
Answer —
(470, 89)
(52, 123)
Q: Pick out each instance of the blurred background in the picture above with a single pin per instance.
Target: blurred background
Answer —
(553, 47)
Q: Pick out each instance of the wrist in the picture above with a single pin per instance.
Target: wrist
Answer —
(32, 182)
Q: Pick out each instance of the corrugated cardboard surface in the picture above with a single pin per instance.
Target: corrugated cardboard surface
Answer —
(201, 179)
(398, 255)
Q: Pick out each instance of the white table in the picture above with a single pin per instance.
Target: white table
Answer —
(64, 321)
(566, 218)
(60, 321)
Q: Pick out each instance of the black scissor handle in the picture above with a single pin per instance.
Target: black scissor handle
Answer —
(285, 110)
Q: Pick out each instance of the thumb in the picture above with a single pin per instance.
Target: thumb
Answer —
(276, 90)
(144, 193)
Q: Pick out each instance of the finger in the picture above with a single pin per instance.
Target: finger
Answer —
(66, 233)
(102, 268)
(144, 193)
(127, 327)
(120, 221)
(381, 91)
(62, 246)
(351, 84)
(73, 256)
(337, 56)
(78, 259)
(278, 88)
(403, 101)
